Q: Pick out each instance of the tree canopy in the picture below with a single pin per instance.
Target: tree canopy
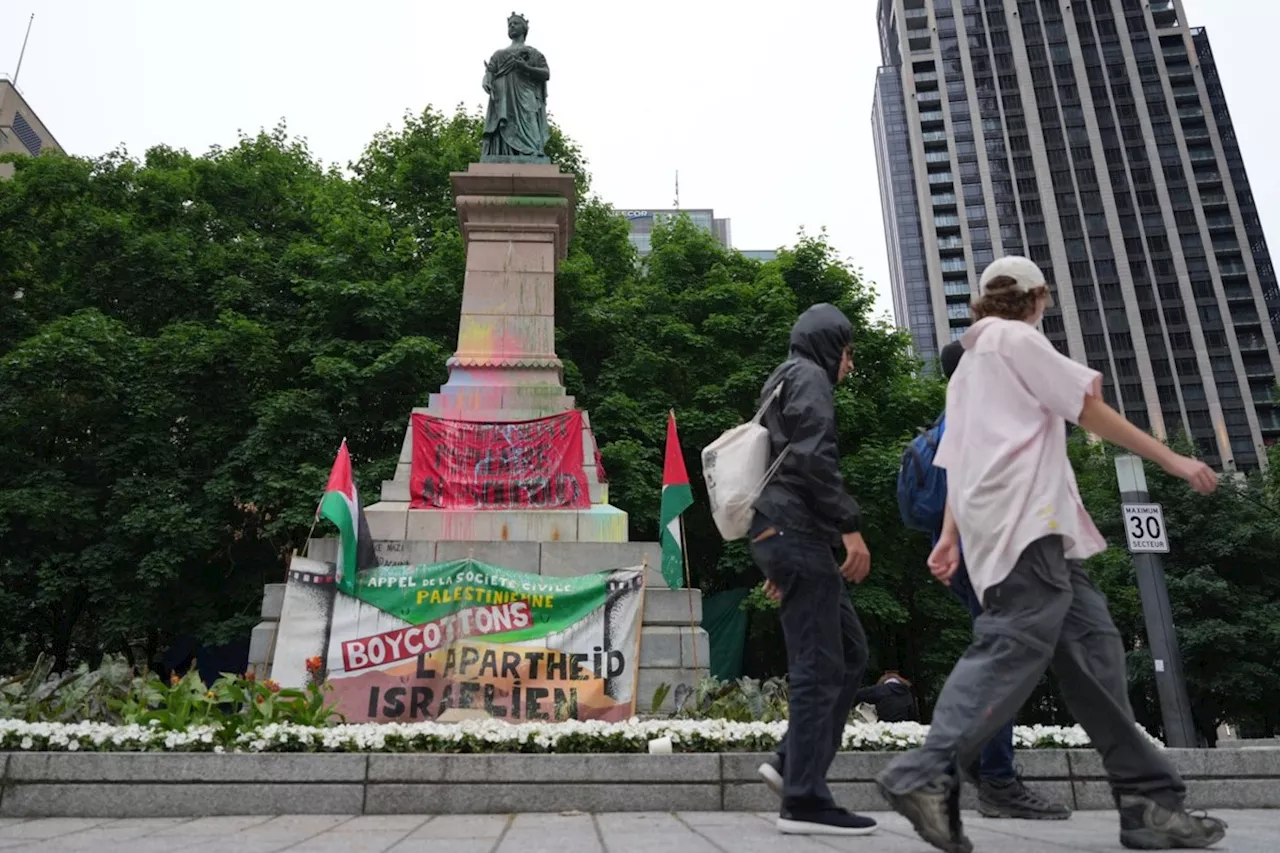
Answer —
(184, 341)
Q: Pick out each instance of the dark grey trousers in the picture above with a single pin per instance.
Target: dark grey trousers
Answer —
(826, 658)
(1046, 613)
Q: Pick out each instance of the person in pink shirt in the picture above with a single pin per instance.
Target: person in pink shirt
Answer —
(1012, 497)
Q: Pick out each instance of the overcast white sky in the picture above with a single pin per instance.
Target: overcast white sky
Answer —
(764, 107)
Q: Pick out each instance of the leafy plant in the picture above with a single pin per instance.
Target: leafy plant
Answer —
(114, 693)
(251, 703)
(660, 695)
(82, 694)
(743, 701)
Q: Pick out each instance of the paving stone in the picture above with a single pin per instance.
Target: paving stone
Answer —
(220, 825)
(346, 842)
(149, 844)
(219, 845)
(151, 824)
(650, 833)
(382, 823)
(568, 822)
(97, 838)
(50, 828)
(456, 845)
(634, 832)
(541, 841)
(698, 819)
(504, 798)
(450, 827)
(301, 825)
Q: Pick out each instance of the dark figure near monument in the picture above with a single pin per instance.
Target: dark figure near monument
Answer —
(516, 80)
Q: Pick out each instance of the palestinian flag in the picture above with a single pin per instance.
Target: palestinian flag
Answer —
(677, 496)
(341, 505)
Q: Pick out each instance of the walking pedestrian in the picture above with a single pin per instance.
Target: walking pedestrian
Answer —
(1001, 792)
(1012, 497)
(801, 514)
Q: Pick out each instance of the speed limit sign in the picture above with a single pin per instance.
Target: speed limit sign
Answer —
(1144, 526)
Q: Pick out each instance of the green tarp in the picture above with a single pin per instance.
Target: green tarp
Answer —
(726, 624)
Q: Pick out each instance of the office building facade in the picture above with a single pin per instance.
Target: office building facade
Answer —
(21, 131)
(643, 221)
(1092, 136)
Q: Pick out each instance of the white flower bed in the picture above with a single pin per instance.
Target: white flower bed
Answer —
(484, 736)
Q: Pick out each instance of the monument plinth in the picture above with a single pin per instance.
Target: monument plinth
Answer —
(517, 220)
(499, 465)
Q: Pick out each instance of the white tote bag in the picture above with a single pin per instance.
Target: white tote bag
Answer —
(736, 468)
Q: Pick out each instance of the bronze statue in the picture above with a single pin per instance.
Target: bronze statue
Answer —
(516, 80)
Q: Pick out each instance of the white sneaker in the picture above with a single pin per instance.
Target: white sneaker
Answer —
(771, 777)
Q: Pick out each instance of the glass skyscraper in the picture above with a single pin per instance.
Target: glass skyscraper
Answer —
(1092, 136)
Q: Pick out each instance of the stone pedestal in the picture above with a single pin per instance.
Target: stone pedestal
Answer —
(517, 219)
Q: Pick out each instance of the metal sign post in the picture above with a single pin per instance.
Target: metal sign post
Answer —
(1148, 539)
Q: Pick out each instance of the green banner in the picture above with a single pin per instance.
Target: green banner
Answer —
(413, 641)
(428, 593)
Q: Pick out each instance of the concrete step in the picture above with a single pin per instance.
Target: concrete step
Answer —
(393, 520)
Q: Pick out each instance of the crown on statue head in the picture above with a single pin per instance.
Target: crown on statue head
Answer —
(516, 16)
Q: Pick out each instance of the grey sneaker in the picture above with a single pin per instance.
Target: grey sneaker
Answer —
(1147, 825)
(1013, 799)
(934, 812)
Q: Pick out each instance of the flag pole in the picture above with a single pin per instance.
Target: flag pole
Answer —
(693, 624)
(316, 520)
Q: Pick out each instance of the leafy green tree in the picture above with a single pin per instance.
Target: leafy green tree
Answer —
(1223, 591)
(184, 340)
(194, 337)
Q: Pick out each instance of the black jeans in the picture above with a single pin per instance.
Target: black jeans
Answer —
(826, 657)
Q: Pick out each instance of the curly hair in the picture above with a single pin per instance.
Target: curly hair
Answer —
(1004, 299)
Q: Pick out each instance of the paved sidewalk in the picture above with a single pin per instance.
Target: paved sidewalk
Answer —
(685, 832)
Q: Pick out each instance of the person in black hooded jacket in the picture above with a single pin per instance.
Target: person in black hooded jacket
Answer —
(802, 512)
(893, 699)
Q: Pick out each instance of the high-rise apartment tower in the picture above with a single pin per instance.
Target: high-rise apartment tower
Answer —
(1092, 136)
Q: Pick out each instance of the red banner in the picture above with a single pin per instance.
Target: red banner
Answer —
(519, 465)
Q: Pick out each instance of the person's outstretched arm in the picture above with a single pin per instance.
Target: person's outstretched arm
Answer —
(1104, 421)
(1073, 392)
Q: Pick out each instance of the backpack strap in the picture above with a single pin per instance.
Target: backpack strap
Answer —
(782, 454)
(773, 395)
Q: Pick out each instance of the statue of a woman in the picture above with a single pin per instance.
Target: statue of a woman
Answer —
(516, 80)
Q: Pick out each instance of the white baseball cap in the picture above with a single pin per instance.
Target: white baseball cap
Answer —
(1022, 270)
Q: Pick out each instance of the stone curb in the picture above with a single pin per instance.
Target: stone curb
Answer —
(201, 784)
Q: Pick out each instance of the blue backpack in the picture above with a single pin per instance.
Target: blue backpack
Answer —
(922, 486)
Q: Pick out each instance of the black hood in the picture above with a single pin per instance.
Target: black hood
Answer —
(820, 335)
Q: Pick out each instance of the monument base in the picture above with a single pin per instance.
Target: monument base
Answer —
(674, 649)
(516, 216)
